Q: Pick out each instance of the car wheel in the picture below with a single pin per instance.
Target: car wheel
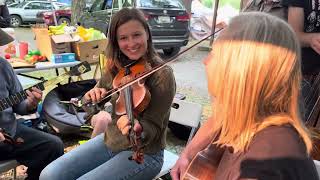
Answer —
(170, 52)
(62, 20)
(15, 21)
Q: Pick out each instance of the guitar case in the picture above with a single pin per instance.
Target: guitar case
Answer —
(62, 117)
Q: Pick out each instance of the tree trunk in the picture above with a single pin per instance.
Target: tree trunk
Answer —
(77, 9)
(187, 5)
(243, 4)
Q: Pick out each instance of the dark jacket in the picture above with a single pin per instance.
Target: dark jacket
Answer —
(4, 16)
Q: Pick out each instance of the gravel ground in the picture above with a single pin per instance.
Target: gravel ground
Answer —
(191, 81)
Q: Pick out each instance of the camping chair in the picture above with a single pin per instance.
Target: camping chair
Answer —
(184, 113)
(7, 165)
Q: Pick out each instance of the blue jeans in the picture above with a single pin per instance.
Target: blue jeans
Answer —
(94, 160)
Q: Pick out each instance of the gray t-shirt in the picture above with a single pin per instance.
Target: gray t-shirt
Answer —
(10, 85)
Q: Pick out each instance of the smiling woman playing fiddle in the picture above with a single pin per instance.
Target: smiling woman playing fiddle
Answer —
(106, 155)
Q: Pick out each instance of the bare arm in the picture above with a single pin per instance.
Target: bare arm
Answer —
(201, 140)
(296, 20)
(198, 143)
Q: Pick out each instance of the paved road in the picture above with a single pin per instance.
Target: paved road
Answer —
(25, 34)
(189, 70)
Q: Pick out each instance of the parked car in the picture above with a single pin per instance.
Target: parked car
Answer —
(63, 15)
(12, 5)
(10, 2)
(168, 20)
(26, 12)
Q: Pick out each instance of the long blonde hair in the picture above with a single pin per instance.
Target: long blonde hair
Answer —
(254, 75)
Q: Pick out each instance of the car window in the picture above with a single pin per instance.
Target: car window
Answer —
(33, 5)
(122, 3)
(108, 4)
(115, 4)
(45, 6)
(98, 5)
(21, 4)
(62, 6)
(13, 5)
(160, 4)
(65, 7)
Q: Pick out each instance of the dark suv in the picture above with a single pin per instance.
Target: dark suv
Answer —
(167, 19)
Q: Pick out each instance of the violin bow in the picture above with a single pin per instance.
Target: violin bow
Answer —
(148, 73)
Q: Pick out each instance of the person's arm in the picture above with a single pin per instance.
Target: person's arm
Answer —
(14, 87)
(2, 138)
(28, 105)
(296, 20)
(200, 141)
(162, 93)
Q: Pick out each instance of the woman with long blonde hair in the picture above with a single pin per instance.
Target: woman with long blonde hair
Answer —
(254, 75)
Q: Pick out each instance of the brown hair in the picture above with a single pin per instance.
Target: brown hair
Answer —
(121, 17)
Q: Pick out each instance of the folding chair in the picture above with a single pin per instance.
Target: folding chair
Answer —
(184, 113)
(7, 165)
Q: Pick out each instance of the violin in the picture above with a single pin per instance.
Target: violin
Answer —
(132, 100)
(140, 93)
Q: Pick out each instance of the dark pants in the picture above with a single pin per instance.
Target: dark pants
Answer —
(37, 151)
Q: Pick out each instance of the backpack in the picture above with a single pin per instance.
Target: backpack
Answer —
(273, 7)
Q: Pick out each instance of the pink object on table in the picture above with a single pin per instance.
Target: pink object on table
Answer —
(23, 49)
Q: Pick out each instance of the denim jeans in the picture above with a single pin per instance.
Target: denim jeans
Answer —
(94, 160)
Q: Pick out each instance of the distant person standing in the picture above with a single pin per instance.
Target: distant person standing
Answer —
(4, 15)
(304, 18)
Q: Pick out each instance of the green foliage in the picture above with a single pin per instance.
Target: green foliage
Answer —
(207, 3)
(233, 3)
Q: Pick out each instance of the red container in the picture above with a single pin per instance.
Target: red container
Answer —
(23, 49)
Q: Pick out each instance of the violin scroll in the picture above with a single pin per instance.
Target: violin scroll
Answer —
(136, 140)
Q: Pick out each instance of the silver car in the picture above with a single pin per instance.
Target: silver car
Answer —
(26, 12)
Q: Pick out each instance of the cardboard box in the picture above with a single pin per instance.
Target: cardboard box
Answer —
(89, 51)
(52, 44)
